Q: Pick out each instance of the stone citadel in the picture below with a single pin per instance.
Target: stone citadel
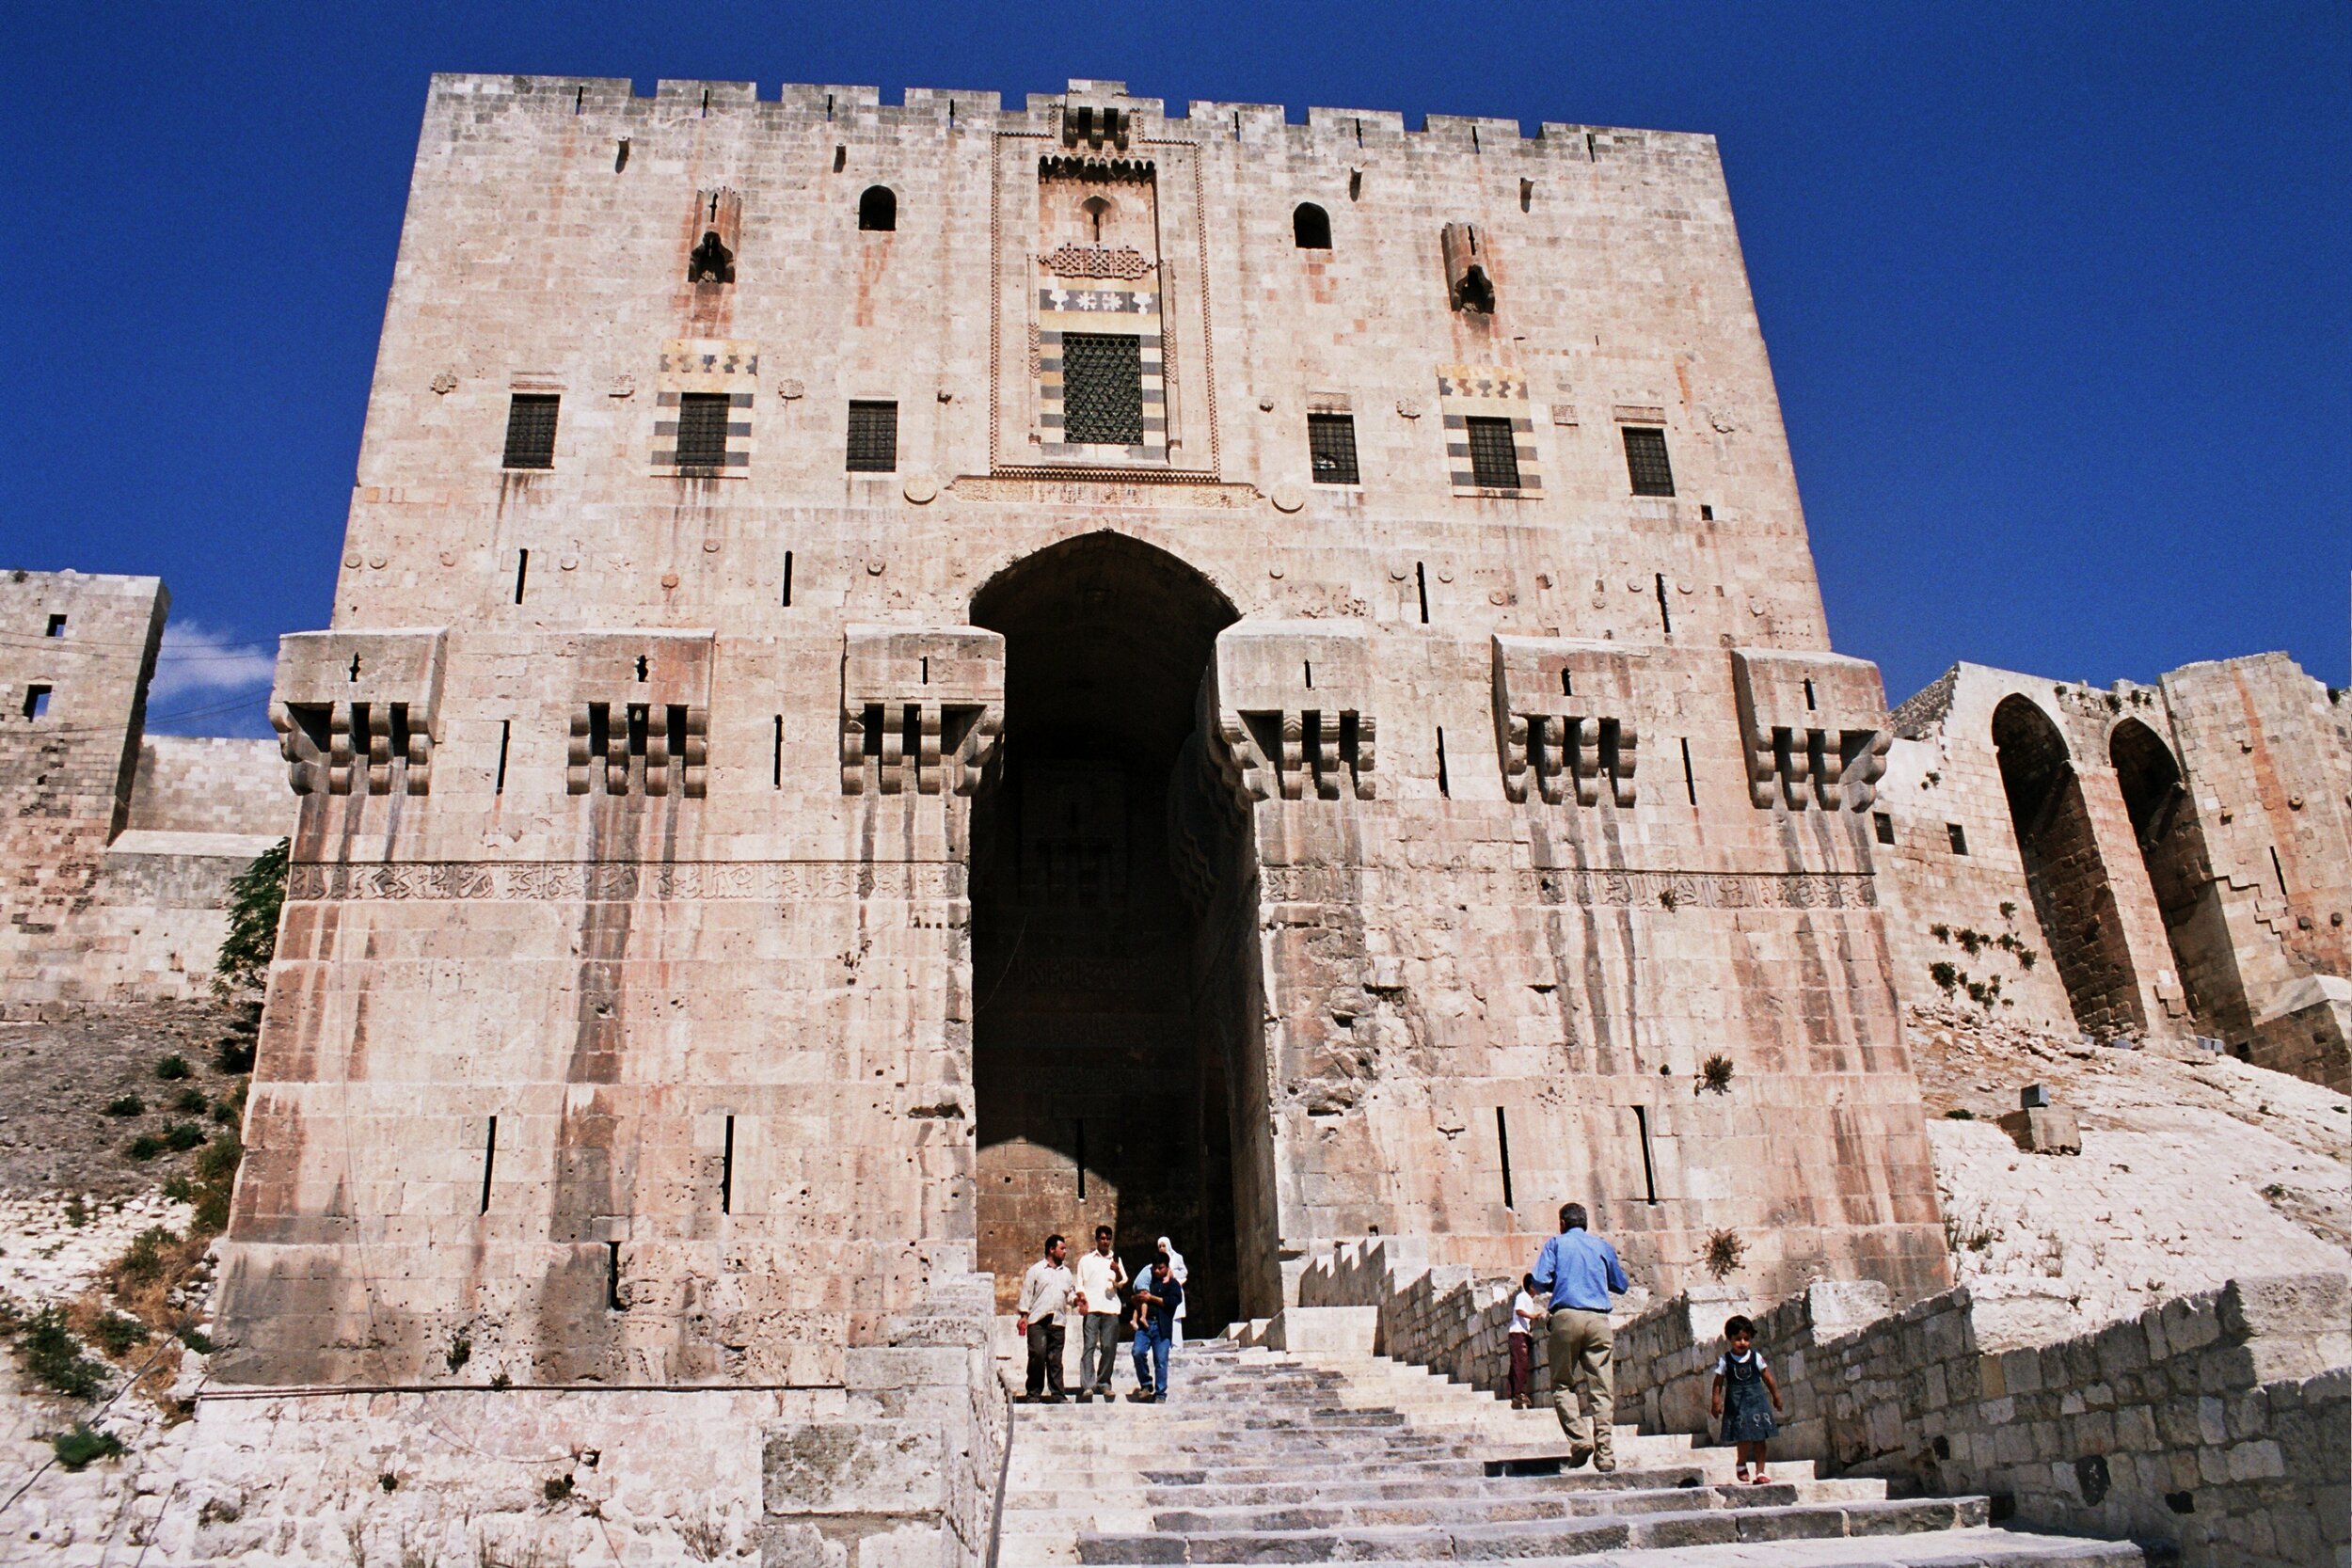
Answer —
(908, 675)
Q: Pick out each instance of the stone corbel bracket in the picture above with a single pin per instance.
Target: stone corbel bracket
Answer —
(1286, 707)
(1562, 717)
(640, 712)
(922, 708)
(1814, 727)
(356, 711)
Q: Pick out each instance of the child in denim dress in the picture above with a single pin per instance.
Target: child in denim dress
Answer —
(1744, 1382)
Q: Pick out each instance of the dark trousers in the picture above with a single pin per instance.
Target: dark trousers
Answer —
(1150, 1352)
(1045, 1348)
(1522, 1365)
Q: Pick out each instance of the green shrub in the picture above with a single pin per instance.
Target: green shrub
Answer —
(215, 1179)
(173, 1068)
(126, 1105)
(53, 1358)
(225, 1112)
(1959, 1112)
(193, 1101)
(195, 1338)
(256, 896)
(145, 1146)
(82, 1445)
(180, 1136)
(233, 1056)
(144, 1261)
(118, 1334)
(1945, 975)
(76, 1212)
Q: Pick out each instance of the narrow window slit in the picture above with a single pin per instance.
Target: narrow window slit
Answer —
(1503, 1144)
(1078, 1144)
(727, 1172)
(489, 1162)
(1443, 786)
(523, 573)
(620, 155)
(1421, 583)
(1666, 615)
(1567, 688)
(1808, 697)
(2276, 870)
(1650, 1163)
(787, 579)
(779, 759)
(613, 1277)
(506, 736)
(1309, 667)
(1690, 779)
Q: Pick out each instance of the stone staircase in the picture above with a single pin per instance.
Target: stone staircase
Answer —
(1269, 1456)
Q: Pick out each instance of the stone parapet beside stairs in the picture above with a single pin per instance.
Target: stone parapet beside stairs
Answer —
(2215, 1424)
(1343, 1456)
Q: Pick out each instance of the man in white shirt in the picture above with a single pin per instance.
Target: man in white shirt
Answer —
(1047, 1291)
(1100, 1276)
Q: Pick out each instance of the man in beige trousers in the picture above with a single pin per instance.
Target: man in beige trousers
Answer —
(1577, 1271)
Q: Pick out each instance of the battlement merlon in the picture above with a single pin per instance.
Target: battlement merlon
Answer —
(858, 107)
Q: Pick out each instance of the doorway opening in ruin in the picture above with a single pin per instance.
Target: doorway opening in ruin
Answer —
(2068, 880)
(1107, 1001)
(2157, 803)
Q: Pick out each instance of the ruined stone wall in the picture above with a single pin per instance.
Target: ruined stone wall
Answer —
(2190, 869)
(2215, 1422)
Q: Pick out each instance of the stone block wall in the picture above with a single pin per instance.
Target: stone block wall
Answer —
(2217, 1421)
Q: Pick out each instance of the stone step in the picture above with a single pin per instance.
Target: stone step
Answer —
(1980, 1546)
(1077, 1471)
(1578, 1490)
(1563, 1538)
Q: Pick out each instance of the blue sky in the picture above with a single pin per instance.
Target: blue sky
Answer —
(2056, 295)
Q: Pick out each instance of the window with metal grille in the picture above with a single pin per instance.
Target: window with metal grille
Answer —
(1102, 379)
(702, 430)
(1331, 448)
(873, 437)
(1646, 460)
(531, 430)
(1494, 453)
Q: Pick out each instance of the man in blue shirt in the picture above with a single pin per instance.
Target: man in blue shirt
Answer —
(1157, 1297)
(1576, 1272)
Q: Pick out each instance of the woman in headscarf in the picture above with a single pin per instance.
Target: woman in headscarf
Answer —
(1184, 1278)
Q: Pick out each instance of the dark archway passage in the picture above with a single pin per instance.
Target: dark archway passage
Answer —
(2063, 871)
(1101, 1085)
(2162, 822)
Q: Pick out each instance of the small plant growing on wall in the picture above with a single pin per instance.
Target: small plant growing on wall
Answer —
(1939, 931)
(1715, 1074)
(1724, 1250)
(2009, 909)
(1945, 975)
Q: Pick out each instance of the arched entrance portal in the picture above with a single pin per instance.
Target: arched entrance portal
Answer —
(1099, 1041)
(2063, 871)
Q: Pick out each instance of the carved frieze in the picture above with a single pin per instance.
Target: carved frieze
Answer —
(922, 708)
(1815, 728)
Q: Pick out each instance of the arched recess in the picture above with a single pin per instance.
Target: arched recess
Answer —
(2165, 827)
(1109, 1000)
(2064, 872)
(878, 209)
(1311, 227)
